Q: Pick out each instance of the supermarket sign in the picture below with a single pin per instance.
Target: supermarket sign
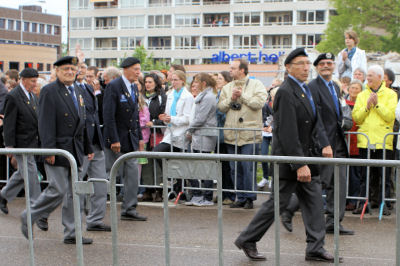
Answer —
(225, 57)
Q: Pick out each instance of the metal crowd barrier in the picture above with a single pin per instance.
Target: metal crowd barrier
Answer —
(254, 158)
(76, 186)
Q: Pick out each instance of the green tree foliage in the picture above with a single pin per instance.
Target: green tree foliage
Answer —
(377, 23)
(147, 61)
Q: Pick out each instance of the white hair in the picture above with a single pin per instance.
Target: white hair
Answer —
(377, 70)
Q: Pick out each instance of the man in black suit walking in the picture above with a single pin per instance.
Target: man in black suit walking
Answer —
(122, 132)
(61, 126)
(296, 122)
(21, 131)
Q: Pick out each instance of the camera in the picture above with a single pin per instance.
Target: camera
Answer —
(235, 106)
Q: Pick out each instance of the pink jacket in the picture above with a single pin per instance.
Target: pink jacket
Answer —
(144, 117)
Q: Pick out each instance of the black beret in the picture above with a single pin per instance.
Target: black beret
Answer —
(67, 60)
(295, 53)
(29, 73)
(323, 57)
(130, 61)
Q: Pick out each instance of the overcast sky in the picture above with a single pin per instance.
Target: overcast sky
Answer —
(55, 7)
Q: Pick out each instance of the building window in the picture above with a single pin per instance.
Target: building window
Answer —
(48, 67)
(41, 28)
(191, 20)
(10, 24)
(214, 42)
(13, 65)
(39, 67)
(79, 4)
(187, 2)
(106, 23)
(159, 3)
(247, 19)
(159, 43)
(132, 22)
(246, 42)
(278, 18)
(160, 21)
(106, 43)
(28, 65)
(311, 17)
(81, 23)
(132, 3)
(277, 41)
(34, 27)
(130, 43)
(246, 1)
(56, 30)
(26, 26)
(2, 23)
(85, 43)
(48, 29)
(308, 40)
(1, 66)
(187, 42)
(216, 20)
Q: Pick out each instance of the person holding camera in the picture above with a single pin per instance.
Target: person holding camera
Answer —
(242, 100)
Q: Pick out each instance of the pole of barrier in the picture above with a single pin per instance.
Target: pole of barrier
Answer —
(166, 214)
(220, 223)
(28, 208)
(398, 217)
(336, 212)
(277, 217)
(113, 209)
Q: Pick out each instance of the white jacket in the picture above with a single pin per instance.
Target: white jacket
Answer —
(359, 60)
(179, 124)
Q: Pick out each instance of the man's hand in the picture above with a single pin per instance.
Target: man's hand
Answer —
(90, 156)
(344, 55)
(141, 145)
(51, 159)
(304, 174)
(116, 147)
(236, 93)
(167, 119)
(1, 120)
(372, 100)
(327, 152)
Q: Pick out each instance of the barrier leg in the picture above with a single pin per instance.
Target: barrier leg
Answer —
(77, 216)
(220, 223)
(277, 217)
(113, 212)
(166, 214)
(28, 208)
(336, 213)
(398, 217)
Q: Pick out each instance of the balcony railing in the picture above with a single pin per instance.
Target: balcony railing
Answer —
(278, 46)
(216, 47)
(217, 2)
(106, 27)
(278, 23)
(159, 48)
(106, 48)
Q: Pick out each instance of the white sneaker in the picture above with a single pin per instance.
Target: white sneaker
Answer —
(194, 201)
(262, 183)
(204, 203)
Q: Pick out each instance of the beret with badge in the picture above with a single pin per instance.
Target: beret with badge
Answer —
(323, 57)
(130, 61)
(295, 53)
(67, 60)
(29, 73)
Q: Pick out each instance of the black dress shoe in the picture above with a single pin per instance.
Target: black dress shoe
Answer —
(342, 231)
(359, 210)
(72, 240)
(250, 250)
(238, 204)
(3, 205)
(324, 256)
(24, 226)
(99, 227)
(132, 216)
(248, 205)
(286, 218)
(42, 224)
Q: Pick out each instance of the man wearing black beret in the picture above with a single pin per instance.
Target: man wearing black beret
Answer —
(21, 131)
(122, 133)
(61, 126)
(296, 123)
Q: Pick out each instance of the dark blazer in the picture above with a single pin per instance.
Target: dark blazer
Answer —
(121, 116)
(3, 93)
(92, 117)
(100, 97)
(266, 112)
(295, 126)
(60, 125)
(331, 126)
(21, 120)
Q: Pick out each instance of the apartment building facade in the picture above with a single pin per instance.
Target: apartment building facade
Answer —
(29, 38)
(195, 32)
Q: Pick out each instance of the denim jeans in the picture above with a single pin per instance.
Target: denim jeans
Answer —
(246, 171)
(264, 151)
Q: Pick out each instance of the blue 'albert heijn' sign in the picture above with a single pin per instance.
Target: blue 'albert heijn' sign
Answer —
(223, 57)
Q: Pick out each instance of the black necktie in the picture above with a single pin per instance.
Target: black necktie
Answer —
(334, 98)
(133, 85)
(72, 93)
(309, 96)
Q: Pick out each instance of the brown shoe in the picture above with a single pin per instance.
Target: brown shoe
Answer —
(250, 250)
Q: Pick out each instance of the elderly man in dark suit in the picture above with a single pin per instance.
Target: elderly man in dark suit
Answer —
(296, 121)
(326, 94)
(96, 168)
(61, 126)
(122, 132)
(21, 131)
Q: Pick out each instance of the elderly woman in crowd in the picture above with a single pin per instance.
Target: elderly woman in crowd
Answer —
(203, 115)
(352, 57)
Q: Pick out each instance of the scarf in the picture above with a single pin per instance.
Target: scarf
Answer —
(177, 95)
(351, 52)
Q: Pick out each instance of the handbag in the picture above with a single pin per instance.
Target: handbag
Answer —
(159, 137)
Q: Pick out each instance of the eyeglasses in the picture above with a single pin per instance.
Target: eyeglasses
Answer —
(302, 63)
(73, 69)
(328, 63)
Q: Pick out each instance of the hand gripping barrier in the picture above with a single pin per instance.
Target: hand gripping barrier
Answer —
(78, 187)
(175, 157)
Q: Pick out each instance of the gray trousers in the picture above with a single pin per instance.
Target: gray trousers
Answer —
(311, 204)
(16, 182)
(59, 178)
(130, 174)
(96, 168)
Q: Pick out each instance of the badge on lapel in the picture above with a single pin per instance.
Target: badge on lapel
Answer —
(123, 99)
(81, 101)
(302, 95)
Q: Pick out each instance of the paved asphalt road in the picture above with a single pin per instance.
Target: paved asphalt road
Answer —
(194, 239)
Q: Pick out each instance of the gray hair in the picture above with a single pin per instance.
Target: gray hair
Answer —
(356, 81)
(112, 72)
(360, 69)
(377, 69)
